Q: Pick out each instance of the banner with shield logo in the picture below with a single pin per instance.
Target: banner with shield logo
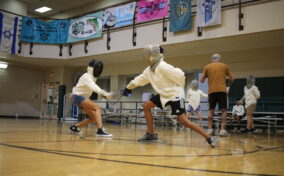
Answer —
(180, 15)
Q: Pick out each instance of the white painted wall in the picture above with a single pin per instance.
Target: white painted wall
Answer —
(242, 63)
(256, 20)
(20, 91)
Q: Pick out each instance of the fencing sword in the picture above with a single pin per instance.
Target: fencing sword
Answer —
(116, 101)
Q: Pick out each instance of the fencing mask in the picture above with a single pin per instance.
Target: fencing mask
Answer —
(95, 68)
(194, 85)
(153, 55)
(250, 81)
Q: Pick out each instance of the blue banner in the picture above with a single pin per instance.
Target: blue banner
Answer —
(119, 16)
(180, 15)
(37, 31)
(86, 27)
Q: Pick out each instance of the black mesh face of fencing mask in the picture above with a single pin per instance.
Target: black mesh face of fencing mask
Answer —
(153, 54)
(250, 81)
(162, 51)
(98, 67)
(194, 85)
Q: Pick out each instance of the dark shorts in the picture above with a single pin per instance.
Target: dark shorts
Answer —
(235, 115)
(218, 97)
(190, 109)
(77, 99)
(178, 107)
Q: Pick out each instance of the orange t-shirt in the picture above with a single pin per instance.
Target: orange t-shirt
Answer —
(216, 73)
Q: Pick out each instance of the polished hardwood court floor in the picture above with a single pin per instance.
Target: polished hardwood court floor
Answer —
(47, 148)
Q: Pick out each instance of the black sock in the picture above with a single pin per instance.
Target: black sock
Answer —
(209, 140)
(100, 129)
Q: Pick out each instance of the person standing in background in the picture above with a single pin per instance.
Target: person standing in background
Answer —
(216, 73)
(251, 94)
(193, 96)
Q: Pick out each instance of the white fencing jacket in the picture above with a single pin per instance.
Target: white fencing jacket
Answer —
(166, 80)
(238, 110)
(87, 85)
(193, 97)
(251, 95)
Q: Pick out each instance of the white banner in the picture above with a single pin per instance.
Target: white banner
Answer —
(86, 27)
(119, 16)
(208, 13)
(8, 31)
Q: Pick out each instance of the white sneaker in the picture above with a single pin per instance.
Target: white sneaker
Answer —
(212, 141)
(224, 133)
(210, 131)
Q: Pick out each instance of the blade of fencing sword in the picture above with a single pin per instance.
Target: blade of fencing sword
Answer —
(116, 101)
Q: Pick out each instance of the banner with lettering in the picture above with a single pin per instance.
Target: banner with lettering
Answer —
(152, 9)
(37, 31)
(86, 27)
(119, 16)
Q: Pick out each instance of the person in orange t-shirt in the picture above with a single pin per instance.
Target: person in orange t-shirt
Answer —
(216, 72)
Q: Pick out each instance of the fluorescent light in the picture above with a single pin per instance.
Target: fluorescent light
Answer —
(43, 9)
(3, 65)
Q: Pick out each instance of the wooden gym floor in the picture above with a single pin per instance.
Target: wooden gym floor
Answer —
(45, 148)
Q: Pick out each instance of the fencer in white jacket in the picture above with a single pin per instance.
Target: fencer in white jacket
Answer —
(251, 94)
(168, 82)
(81, 92)
(194, 96)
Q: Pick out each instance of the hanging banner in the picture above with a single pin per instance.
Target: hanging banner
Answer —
(180, 15)
(86, 27)
(208, 13)
(119, 16)
(152, 9)
(36, 31)
(8, 33)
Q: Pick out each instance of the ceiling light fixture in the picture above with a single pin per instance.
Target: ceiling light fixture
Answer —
(3, 65)
(43, 9)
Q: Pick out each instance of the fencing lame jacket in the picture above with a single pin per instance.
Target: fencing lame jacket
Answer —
(87, 85)
(166, 80)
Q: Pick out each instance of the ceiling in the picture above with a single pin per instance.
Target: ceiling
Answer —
(58, 6)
